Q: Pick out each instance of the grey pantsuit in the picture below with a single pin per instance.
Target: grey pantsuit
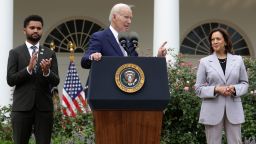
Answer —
(215, 108)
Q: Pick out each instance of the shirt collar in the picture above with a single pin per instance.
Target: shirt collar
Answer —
(115, 33)
(29, 44)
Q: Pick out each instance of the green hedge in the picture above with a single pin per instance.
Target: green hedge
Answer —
(66, 130)
(180, 121)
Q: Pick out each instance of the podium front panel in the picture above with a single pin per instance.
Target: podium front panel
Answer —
(104, 94)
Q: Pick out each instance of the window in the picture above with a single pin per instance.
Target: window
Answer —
(78, 31)
(196, 42)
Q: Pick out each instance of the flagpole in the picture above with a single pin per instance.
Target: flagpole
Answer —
(54, 90)
(71, 48)
(73, 97)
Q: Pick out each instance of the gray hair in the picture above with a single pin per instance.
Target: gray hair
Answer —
(116, 9)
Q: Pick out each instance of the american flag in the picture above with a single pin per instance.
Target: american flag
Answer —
(73, 97)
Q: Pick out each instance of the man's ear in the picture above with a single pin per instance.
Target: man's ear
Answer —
(114, 16)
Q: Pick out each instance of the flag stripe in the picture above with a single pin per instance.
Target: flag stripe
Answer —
(69, 107)
(68, 100)
(77, 105)
(82, 99)
(82, 103)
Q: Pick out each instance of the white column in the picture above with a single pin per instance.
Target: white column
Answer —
(166, 26)
(6, 42)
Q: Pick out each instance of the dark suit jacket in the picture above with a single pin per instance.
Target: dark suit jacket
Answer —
(105, 43)
(31, 90)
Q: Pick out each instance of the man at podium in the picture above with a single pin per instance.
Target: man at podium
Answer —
(106, 42)
(121, 117)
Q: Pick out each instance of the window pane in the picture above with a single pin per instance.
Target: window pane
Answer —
(196, 41)
(77, 31)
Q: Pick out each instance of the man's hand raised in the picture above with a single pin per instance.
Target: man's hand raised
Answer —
(162, 50)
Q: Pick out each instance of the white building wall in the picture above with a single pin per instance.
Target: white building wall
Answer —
(236, 13)
(58, 10)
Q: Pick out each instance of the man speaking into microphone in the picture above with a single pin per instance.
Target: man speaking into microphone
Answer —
(106, 42)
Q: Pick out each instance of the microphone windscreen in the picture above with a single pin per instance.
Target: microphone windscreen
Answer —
(133, 36)
(122, 36)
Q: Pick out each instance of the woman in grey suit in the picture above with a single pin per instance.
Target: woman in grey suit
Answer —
(221, 81)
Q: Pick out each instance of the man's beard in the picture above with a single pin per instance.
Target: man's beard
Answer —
(34, 39)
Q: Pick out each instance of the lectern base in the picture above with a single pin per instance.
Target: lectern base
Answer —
(127, 127)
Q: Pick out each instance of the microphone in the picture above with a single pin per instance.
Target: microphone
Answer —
(122, 38)
(129, 41)
(134, 39)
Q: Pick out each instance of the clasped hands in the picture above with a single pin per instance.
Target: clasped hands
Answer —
(225, 90)
(45, 64)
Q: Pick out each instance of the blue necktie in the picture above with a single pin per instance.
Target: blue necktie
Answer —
(34, 50)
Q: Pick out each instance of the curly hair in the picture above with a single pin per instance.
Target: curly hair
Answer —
(33, 18)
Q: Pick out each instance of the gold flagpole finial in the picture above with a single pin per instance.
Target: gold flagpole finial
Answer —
(52, 45)
(71, 48)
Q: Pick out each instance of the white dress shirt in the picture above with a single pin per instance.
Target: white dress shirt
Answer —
(115, 33)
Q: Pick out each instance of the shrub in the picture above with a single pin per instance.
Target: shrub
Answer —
(249, 101)
(180, 122)
(73, 130)
(5, 125)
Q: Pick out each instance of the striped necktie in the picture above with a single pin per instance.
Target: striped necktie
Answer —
(34, 50)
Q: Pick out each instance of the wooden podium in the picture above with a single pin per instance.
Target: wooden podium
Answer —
(128, 118)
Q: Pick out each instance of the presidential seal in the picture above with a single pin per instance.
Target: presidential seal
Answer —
(129, 78)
